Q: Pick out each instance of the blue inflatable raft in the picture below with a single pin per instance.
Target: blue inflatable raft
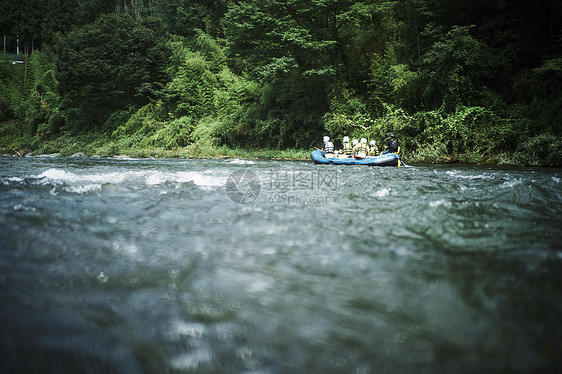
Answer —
(388, 159)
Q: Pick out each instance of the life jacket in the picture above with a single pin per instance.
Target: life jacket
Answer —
(328, 147)
(347, 148)
(361, 151)
(374, 150)
(393, 145)
(362, 148)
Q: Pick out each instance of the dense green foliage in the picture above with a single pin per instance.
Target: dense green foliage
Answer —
(108, 66)
(476, 81)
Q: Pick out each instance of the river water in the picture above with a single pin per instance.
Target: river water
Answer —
(239, 266)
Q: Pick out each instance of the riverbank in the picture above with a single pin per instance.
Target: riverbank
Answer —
(99, 144)
(14, 141)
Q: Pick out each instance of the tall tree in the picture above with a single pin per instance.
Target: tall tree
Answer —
(60, 16)
(182, 17)
(306, 52)
(22, 20)
(110, 65)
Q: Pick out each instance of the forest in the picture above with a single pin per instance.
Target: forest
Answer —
(475, 81)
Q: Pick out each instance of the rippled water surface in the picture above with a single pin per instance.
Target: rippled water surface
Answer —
(235, 266)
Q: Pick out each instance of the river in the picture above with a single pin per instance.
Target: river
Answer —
(246, 266)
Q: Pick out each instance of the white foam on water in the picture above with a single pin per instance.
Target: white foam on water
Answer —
(23, 208)
(437, 203)
(258, 285)
(206, 179)
(62, 176)
(511, 183)
(125, 247)
(80, 183)
(383, 192)
(54, 175)
(238, 161)
(193, 330)
(10, 180)
(458, 174)
(86, 183)
(191, 360)
(156, 178)
(125, 157)
(86, 188)
(102, 278)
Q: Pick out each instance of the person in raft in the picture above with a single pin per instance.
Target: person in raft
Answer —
(354, 142)
(346, 149)
(391, 144)
(373, 148)
(361, 150)
(328, 148)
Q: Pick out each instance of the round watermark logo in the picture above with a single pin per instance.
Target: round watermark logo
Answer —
(243, 186)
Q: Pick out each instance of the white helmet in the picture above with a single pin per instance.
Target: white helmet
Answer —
(346, 139)
(372, 142)
(363, 140)
(326, 139)
(354, 142)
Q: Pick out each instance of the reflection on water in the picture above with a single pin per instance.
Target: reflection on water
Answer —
(135, 266)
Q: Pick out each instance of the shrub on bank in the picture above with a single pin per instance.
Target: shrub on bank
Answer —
(540, 150)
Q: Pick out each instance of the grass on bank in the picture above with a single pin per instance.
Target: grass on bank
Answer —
(14, 142)
(542, 150)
